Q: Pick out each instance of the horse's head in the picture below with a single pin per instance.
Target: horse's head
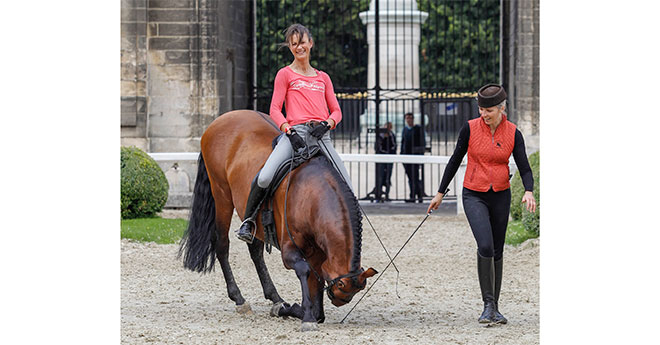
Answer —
(342, 289)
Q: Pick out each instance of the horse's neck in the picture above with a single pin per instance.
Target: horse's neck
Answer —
(336, 247)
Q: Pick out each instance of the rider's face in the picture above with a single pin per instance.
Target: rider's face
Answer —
(300, 47)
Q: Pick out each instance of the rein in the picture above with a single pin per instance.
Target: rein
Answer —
(388, 265)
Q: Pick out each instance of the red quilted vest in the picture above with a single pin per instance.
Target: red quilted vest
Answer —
(488, 155)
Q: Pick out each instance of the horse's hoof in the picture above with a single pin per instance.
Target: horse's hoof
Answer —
(275, 309)
(310, 326)
(244, 308)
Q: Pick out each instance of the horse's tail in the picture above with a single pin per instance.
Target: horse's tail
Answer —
(198, 242)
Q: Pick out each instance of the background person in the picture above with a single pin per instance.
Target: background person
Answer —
(489, 141)
(413, 142)
(385, 144)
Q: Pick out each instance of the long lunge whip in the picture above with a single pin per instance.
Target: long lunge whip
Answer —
(388, 265)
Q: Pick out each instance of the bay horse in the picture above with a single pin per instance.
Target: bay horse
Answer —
(325, 224)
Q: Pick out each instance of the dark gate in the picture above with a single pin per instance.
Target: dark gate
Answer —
(457, 51)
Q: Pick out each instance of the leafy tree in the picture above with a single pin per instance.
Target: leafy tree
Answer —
(459, 48)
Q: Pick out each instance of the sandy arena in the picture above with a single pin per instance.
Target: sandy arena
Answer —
(162, 303)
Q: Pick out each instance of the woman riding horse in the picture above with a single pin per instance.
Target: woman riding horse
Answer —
(308, 94)
(319, 229)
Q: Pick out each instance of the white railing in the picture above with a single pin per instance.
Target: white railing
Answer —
(365, 170)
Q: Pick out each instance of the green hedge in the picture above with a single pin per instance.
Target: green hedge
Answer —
(518, 212)
(143, 184)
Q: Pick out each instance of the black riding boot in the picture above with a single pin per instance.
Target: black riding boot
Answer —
(254, 200)
(486, 272)
(498, 318)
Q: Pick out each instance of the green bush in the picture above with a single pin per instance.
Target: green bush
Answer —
(518, 212)
(143, 184)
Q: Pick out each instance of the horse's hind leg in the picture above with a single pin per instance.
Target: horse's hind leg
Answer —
(270, 292)
(223, 219)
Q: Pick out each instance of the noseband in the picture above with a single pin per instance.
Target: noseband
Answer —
(354, 280)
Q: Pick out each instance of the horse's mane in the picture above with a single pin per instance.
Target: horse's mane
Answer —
(354, 214)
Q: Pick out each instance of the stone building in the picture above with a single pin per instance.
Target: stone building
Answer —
(183, 63)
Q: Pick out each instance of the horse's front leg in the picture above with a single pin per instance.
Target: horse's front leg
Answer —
(294, 260)
(303, 272)
(316, 292)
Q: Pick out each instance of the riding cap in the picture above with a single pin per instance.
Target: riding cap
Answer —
(490, 95)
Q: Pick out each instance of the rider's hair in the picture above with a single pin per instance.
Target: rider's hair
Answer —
(295, 29)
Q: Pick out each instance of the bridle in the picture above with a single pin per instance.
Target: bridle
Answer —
(356, 283)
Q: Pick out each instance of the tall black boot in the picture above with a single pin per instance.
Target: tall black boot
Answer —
(254, 200)
(498, 318)
(486, 272)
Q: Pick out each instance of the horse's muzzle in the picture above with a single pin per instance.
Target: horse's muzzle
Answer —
(339, 301)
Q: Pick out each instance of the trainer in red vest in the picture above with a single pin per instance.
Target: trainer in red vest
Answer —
(488, 155)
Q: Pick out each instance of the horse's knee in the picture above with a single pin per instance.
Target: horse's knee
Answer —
(302, 269)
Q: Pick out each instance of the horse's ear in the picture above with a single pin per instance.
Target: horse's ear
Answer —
(366, 274)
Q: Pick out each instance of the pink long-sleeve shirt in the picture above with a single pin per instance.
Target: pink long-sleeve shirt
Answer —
(307, 98)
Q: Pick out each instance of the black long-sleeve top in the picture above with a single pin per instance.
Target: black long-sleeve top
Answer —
(385, 142)
(519, 156)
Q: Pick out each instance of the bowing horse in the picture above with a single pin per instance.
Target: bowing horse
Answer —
(320, 236)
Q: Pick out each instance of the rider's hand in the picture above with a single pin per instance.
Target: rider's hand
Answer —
(296, 140)
(320, 130)
(435, 202)
(529, 201)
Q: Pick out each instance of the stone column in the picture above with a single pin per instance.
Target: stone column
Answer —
(399, 32)
(520, 66)
(181, 68)
(134, 74)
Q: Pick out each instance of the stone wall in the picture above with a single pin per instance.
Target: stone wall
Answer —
(520, 66)
(183, 63)
(134, 73)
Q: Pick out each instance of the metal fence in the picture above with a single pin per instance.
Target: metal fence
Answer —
(456, 51)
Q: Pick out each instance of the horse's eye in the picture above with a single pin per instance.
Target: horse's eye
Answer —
(340, 284)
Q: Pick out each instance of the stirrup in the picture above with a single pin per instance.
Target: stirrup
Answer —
(247, 238)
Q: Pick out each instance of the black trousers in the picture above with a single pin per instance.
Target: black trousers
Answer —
(488, 215)
(383, 178)
(414, 180)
